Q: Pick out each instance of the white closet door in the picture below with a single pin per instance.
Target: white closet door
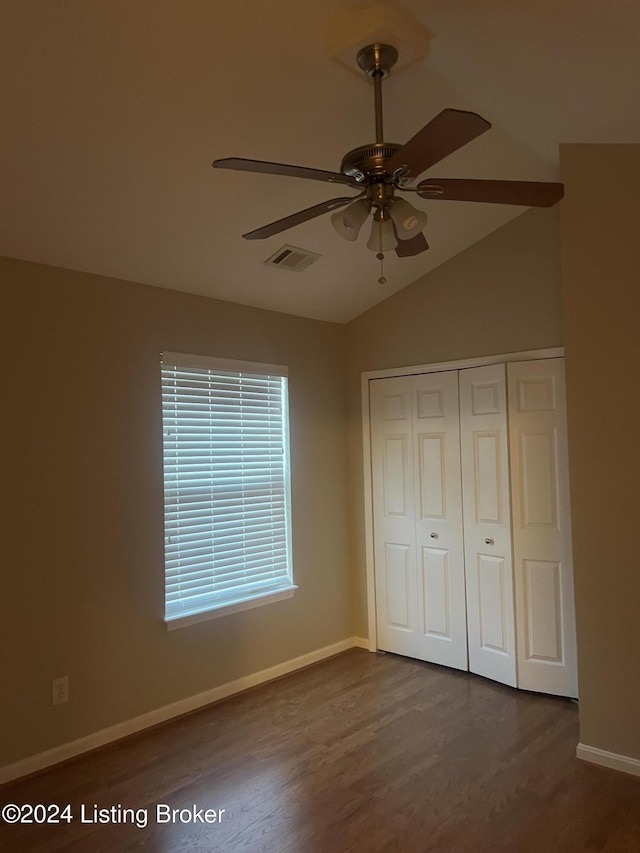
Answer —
(487, 523)
(419, 559)
(439, 533)
(394, 516)
(541, 528)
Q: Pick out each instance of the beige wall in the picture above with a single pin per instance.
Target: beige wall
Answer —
(501, 295)
(81, 484)
(600, 229)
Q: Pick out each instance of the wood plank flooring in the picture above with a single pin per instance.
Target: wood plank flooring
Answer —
(362, 753)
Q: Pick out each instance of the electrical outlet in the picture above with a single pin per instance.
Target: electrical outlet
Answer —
(60, 690)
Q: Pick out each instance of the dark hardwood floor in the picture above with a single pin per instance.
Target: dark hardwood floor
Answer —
(360, 753)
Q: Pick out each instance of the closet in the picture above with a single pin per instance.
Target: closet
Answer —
(471, 522)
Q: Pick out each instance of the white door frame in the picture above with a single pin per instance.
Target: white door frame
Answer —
(366, 376)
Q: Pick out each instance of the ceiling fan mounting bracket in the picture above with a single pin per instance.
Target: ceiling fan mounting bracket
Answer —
(377, 57)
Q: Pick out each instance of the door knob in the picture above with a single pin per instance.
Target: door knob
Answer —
(488, 541)
(433, 535)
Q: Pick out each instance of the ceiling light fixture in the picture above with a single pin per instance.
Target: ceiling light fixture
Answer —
(409, 221)
(349, 221)
(391, 213)
(383, 236)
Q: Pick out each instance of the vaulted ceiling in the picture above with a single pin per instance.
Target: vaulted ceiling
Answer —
(112, 111)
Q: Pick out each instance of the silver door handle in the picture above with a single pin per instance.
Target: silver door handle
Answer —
(433, 535)
(488, 541)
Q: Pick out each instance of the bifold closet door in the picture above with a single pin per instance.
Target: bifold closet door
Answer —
(418, 547)
(543, 570)
(484, 440)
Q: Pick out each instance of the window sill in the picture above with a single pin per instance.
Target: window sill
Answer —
(180, 621)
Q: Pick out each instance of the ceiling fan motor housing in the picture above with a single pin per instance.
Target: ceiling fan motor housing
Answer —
(368, 161)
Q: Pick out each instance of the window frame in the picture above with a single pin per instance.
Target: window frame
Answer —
(173, 616)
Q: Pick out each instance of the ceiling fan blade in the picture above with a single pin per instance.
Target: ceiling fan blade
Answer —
(242, 165)
(407, 248)
(525, 193)
(448, 131)
(297, 218)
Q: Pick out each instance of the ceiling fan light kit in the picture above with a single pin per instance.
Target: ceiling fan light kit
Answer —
(383, 236)
(407, 219)
(349, 221)
(380, 170)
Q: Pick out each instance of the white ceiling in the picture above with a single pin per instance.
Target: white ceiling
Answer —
(113, 110)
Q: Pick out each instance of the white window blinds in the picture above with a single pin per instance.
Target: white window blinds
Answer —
(226, 482)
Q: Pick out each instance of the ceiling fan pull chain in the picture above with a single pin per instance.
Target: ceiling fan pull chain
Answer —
(380, 255)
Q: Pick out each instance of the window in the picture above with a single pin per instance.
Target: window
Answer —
(226, 486)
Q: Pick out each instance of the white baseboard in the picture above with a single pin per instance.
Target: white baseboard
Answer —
(65, 751)
(608, 759)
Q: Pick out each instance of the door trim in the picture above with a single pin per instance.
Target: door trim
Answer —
(366, 377)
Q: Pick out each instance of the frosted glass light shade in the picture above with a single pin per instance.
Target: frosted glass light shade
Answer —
(382, 238)
(409, 221)
(349, 221)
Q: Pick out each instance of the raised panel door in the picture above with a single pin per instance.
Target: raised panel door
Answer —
(487, 523)
(543, 566)
(419, 558)
(397, 612)
(439, 533)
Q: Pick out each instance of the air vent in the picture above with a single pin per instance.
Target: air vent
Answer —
(291, 258)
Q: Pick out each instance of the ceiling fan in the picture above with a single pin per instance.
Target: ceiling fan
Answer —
(381, 169)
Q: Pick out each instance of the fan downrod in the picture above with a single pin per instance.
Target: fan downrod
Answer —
(366, 162)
